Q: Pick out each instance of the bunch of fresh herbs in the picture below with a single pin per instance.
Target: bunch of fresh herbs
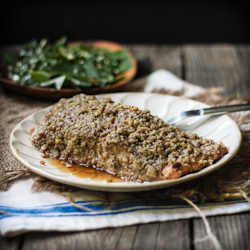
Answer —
(58, 65)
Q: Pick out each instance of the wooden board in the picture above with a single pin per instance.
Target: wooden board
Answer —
(219, 65)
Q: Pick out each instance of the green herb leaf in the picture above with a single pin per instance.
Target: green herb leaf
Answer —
(79, 83)
(124, 66)
(41, 75)
(58, 82)
(91, 71)
(67, 68)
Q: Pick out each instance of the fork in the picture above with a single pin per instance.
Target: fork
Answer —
(209, 111)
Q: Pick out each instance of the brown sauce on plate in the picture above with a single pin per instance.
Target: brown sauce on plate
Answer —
(83, 172)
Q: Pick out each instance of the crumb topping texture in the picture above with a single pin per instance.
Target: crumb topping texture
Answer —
(122, 140)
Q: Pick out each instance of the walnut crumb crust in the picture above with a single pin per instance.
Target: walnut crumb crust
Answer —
(122, 140)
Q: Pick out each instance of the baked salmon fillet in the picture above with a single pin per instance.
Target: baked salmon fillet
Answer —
(122, 140)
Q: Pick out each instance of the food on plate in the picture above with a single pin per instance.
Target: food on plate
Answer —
(121, 139)
(62, 65)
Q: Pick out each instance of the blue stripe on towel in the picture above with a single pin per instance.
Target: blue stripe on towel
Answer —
(100, 208)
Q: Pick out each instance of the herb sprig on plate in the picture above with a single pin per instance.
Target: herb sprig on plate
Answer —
(57, 65)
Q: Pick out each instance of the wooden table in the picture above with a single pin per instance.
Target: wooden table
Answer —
(217, 65)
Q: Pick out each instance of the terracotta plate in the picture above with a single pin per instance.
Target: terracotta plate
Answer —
(53, 94)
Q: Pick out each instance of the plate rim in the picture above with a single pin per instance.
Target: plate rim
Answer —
(117, 186)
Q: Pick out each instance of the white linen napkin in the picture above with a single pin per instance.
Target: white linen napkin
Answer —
(162, 79)
(21, 210)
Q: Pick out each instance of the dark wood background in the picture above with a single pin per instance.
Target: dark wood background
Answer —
(138, 21)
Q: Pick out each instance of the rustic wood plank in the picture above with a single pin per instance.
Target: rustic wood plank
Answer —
(60, 241)
(154, 57)
(11, 243)
(126, 241)
(163, 236)
(174, 235)
(146, 236)
(243, 52)
(216, 66)
(104, 239)
(158, 236)
(232, 231)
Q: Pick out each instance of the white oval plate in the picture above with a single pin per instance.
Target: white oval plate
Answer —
(219, 128)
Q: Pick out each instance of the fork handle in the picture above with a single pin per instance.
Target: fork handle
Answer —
(225, 109)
